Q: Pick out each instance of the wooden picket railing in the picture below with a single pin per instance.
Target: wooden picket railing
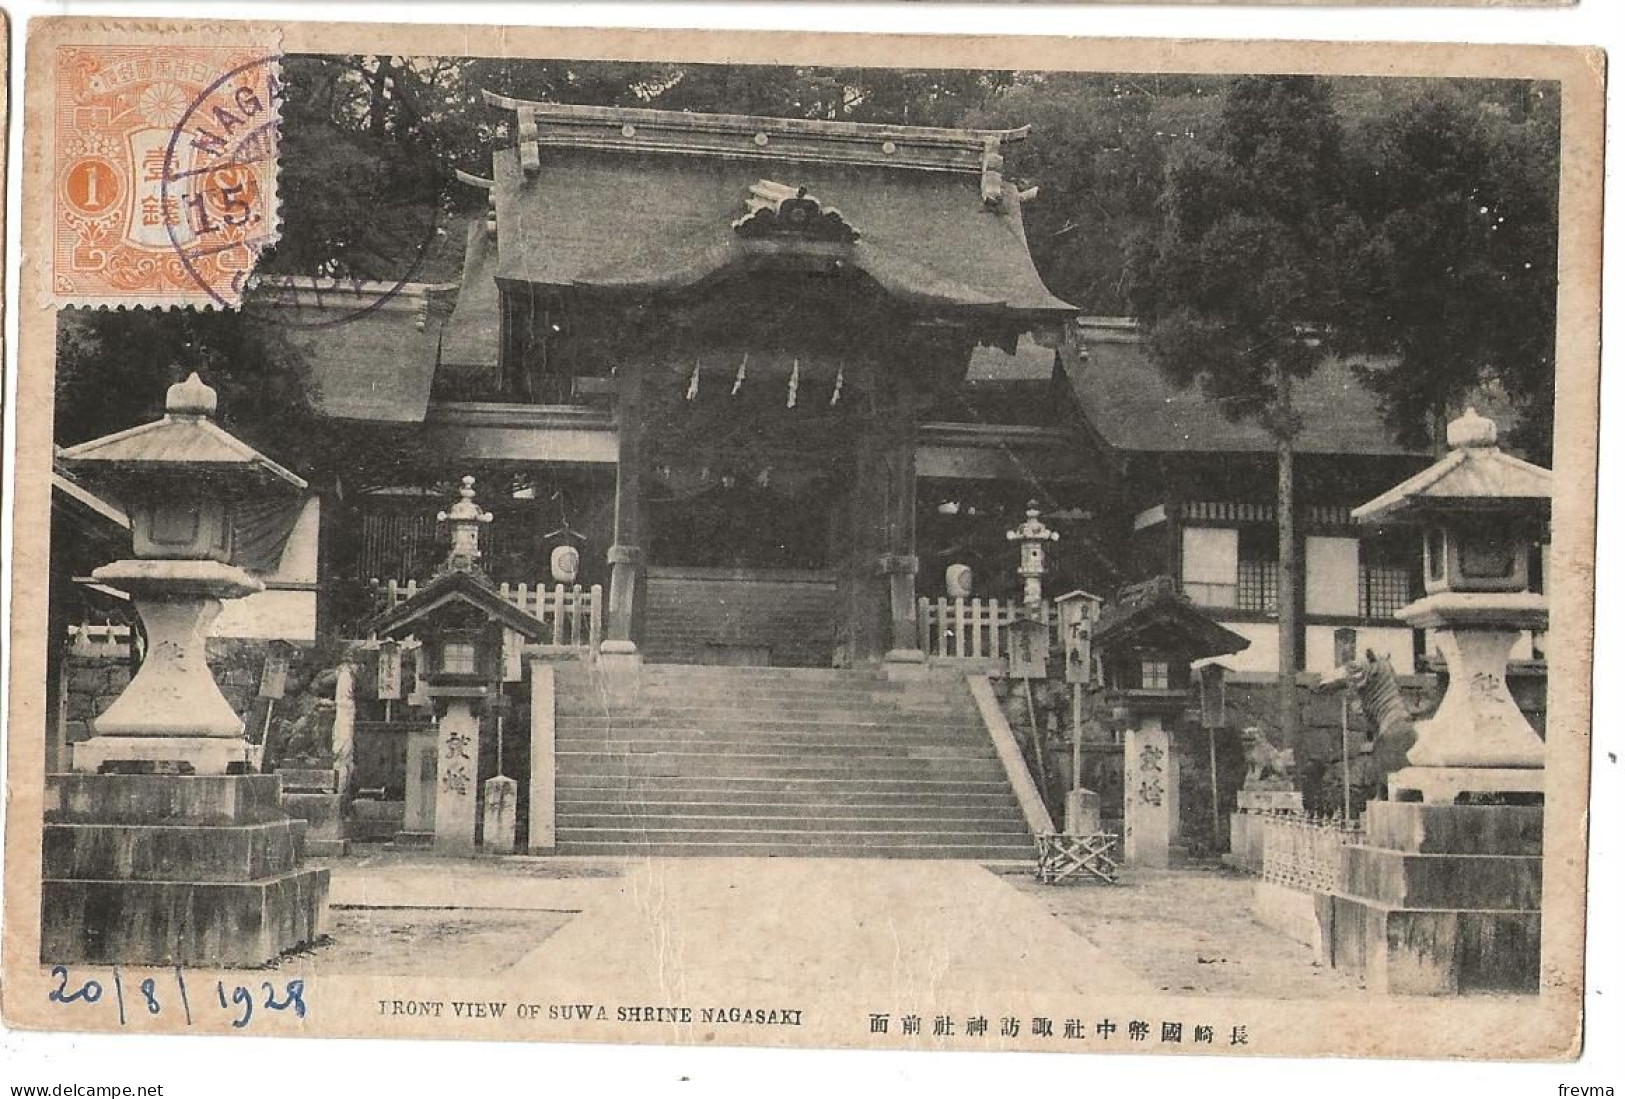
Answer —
(574, 614)
(974, 629)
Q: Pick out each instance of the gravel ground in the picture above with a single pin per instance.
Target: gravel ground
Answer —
(426, 942)
(1191, 931)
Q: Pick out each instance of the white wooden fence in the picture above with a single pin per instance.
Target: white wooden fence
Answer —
(574, 614)
(975, 629)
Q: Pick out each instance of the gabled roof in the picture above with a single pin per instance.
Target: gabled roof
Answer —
(1155, 615)
(455, 587)
(1131, 402)
(1032, 363)
(186, 439)
(616, 200)
(371, 348)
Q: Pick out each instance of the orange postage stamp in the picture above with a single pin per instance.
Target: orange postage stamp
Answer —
(164, 158)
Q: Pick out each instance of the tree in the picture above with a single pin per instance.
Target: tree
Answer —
(1098, 152)
(1241, 280)
(1455, 286)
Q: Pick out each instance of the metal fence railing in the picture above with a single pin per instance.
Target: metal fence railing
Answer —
(1305, 852)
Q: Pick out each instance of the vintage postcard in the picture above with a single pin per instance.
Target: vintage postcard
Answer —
(1068, 546)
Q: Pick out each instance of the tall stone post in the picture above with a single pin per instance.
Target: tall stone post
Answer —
(422, 775)
(161, 848)
(900, 563)
(626, 559)
(543, 764)
(1149, 816)
(456, 778)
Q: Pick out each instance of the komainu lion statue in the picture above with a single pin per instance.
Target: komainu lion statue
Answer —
(1393, 731)
(1264, 760)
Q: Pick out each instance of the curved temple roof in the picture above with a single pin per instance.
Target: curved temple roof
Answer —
(621, 200)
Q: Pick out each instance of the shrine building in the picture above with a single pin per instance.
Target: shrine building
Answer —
(748, 413)
(729, 361)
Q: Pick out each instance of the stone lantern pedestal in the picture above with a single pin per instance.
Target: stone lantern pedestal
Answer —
(172, 711)
(1443, 896)
(162, 847)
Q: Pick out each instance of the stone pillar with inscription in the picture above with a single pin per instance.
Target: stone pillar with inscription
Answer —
(501, 815)
(422, 773)
(1148, 799)
(456, 793)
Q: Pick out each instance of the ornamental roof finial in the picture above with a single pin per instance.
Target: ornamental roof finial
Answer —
(191, 398)
(1470, 430)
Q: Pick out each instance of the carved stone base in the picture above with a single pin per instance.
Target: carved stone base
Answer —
(1442, 900)
(174, 870)
(205, 755)
(1445, 785)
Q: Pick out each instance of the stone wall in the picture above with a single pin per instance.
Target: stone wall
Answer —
(91, 681)
(703, 616)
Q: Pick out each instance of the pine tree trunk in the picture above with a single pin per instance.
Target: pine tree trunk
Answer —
(1286, 580)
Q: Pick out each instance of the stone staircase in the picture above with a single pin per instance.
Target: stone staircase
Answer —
(712, 760)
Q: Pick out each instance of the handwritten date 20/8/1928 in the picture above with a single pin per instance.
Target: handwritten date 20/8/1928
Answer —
(135, 997)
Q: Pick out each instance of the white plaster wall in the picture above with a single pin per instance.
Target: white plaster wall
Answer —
(1394, 642)
(281, 615)
(1208, 564)
(1261, 655)
(1319, 647)
(1332, 575)
(269, 616)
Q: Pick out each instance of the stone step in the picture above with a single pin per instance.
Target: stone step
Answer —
(685, 822)
(935, 806)
(672, 764)
(742, 713)
(732, 786)
(942, 849)
(711, 760)
(795, 709)
(766, 737)
(763, 725)
(895, 694)
(753, 748)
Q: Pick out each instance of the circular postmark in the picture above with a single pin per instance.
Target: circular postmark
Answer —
(358, 206)
(219, 178)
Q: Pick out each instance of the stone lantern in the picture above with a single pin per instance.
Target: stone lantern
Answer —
(1032, 535)
(161, 848)
(466, 519)
(181, 480)
(460, 619)
(1147, 640)
(1482, 513)
(1443, 895)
